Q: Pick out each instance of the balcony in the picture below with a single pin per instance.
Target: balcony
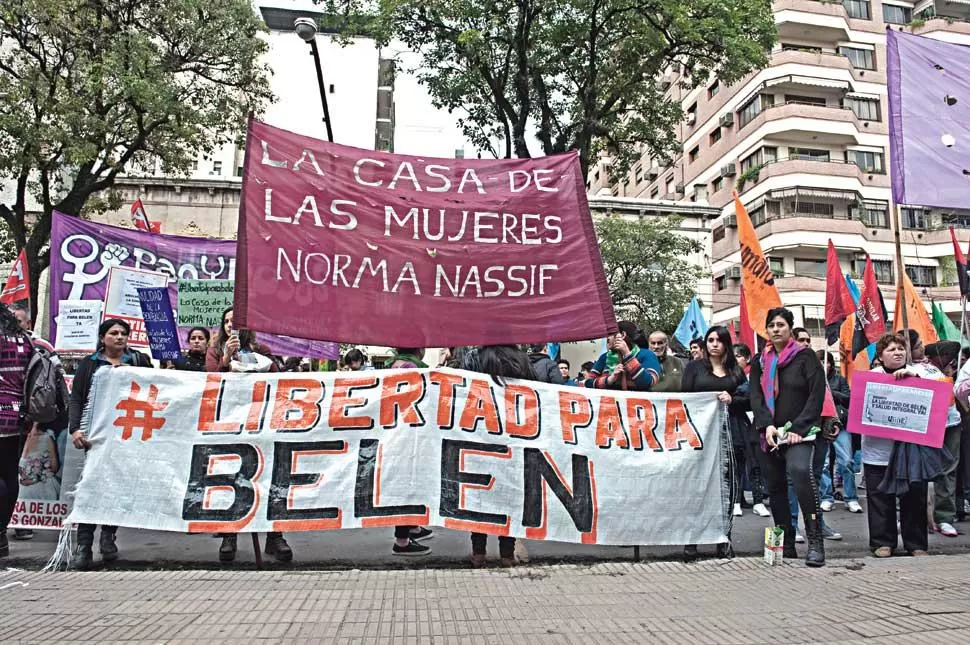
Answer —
(811, 20)
(812, 124)
(827, 61)
(948, 24)
(955, 10)
(816, 169)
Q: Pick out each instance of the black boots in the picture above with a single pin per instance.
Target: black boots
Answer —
(816, 542)
(227, 550)
(4, 544)
(788, 544)
(83, 557)
(277, 547)
(109, 551)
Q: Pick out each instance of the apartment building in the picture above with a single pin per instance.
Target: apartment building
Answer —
(805, 143)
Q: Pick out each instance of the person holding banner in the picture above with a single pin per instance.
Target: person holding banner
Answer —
(112, 351)
(236, 350)
(720, 372)
(14, 357)
(194, 359)
(787, 393)
(625, 366)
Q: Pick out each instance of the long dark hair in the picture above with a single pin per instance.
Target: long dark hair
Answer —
(205, 332)
(9, 325)
(634, 335)
(500, 362)
(246, 338)
(730, 363)
(106, 326)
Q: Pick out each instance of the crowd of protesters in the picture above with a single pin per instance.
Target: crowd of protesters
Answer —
(784, 443)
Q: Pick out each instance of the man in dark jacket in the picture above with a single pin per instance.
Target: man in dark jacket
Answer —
(545, 368)
(673, 366)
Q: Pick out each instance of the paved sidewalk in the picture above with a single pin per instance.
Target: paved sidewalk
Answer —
(900, 600)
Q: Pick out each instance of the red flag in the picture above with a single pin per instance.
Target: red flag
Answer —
(18, 284)
(747, 331)
(139, 218)
(870, 313)
(734, 333)
(961, 262)
(838, 302)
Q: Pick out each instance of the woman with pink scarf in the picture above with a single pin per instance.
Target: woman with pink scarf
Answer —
(787, 394)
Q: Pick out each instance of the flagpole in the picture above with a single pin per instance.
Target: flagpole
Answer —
(900, 287)
(963, 330)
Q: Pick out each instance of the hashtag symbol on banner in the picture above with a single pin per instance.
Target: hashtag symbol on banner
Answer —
(140, 413)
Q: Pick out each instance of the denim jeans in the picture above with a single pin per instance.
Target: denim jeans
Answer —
(843, 464)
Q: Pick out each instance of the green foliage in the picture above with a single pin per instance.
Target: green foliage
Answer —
(89, 86)
(948, 271)
(579, 75)
(650, 279)
(751, 174)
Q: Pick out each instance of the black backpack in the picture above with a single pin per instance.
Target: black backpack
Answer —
(45, 390)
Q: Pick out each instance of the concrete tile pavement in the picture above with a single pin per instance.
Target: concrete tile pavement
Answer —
(900, 600)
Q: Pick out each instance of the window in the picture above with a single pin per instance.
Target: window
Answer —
(693, 154)
(860, 58)
(810, 268)
(638, 173)
(655, 193)
(761, 157)
(871, 214)
(857, 9)
(717, 184)
(816, 209)
(914, 218)
(865, 109)
(670, 185)
(713, 89)
(715, 136)
(758, 216)
(808, 154)
(922, 276)
(777, 266)
(806, 100)
(718, 233)
(882, 268)
(216, 167)
(239, 171)
(753, 108)
(700, 192)
(719, 283)
(896, 15)
(867, 161)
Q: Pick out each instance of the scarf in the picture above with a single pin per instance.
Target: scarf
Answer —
(613, 359)
(409, 358)
(771, 362)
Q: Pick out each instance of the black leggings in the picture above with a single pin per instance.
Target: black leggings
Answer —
(9, 477)
(801, 463)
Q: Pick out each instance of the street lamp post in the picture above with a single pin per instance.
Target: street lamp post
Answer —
(306, 29)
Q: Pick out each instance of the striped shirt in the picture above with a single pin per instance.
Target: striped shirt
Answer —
(14, 356)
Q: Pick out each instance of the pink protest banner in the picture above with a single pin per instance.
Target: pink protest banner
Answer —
(911, 409)
(360, 246)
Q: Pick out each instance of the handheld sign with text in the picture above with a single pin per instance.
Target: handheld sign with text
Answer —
(160, 323)
(77, 325)
(344, 244)
(121, 299)
(911, 410)
(201, 302)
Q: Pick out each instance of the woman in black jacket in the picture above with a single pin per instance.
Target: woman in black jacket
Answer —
(787, 392)
(194, 359)
(112, 351)
(719, 372)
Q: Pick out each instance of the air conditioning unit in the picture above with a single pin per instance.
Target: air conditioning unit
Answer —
(691, 118)
(731, 221)
(679, 188)
(666, 162)
(653, 173)
(727, 120)
(733, 273)
(729, 170)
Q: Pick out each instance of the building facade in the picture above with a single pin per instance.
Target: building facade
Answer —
(805, 143)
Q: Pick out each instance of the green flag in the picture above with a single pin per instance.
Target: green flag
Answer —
(944, 326)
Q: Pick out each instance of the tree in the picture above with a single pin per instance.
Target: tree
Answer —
(91, 86)
(649, 277)
(581, 75)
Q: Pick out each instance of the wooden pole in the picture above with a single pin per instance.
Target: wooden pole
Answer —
(900, 282)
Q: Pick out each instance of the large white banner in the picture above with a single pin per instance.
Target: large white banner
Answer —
(186, 451)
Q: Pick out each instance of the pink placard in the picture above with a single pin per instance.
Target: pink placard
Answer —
(911, 409)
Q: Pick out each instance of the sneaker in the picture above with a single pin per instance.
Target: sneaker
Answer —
(4, 545)
(227, 550)
(109, 550)
(826, 506)
(799, 538)
(853, 506)
(737, 512)
(83, 557)
(413, 548)
(945, 528)
(829, 534)
(277, 547)
(421, 533)
(761, 511)
(23, 534)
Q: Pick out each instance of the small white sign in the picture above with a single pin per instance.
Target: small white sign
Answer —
(77, 325)
(898, 407)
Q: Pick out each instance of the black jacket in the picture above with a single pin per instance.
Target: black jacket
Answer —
(840, 394)
(799, 396)
(697, 378)
(191, 362)
(546, 369)
(81, 386)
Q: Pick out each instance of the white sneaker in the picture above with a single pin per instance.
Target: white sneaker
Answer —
(826, 506)
(799, 538)
(854, 506)
(761, 511)
(947, 529)
(737, 510)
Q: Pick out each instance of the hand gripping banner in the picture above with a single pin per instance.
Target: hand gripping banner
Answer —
(343, 244)
(261, 452)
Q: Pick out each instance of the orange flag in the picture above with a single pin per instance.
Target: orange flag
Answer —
(757, 281)
(917, 317)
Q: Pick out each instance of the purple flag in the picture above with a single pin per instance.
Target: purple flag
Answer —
(929, 127)
(83, 252)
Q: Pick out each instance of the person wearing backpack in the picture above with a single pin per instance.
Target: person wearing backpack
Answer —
(15, 355)
(113, 351)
